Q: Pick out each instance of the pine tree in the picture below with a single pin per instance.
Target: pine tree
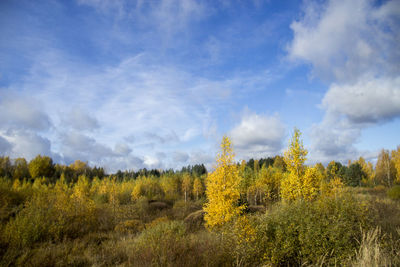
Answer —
(223, 189)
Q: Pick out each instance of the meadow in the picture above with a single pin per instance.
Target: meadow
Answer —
(267, 212)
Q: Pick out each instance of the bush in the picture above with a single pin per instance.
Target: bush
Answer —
(9, 202)
(394, 192)
(169, 244)
(304, 233)
(160, 245)
(157, 221)
(195, 220)
(157, 206)
(129, 226)
(51, 217)
(182, 209)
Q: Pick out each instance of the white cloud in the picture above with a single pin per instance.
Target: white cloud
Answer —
(80, 120)
(27, 144)
(20, 112)
(122, 149)
(145, 104)
(80, 146)
(180, 157)
(258, 136)
(126, 107)
(334, 139)
(5, 146)
(367, 101)
(169, 137)
(202, 157)
(354, 45)
(167, 17)
(346, 39)
(152, 162)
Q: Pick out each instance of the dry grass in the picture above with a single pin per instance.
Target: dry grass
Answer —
(370, 252)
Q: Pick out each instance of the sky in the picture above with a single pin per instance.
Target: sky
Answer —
(157, 83)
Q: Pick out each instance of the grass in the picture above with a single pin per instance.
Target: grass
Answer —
(360, 229)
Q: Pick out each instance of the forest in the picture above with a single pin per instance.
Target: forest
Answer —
(274, 211)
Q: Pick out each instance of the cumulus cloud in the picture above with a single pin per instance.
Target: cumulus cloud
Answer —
(354, 45)
(27, 144)
(114, 164)
(334, 138)
(80, 146)
(367, 101)
(122, 149)
(80, 120)
(344, 40)
(23, 124)
(19, 112)
(202, 157)
(258, 135)
(5, 146)
(180, 157)
(162, 138)
(152, 162)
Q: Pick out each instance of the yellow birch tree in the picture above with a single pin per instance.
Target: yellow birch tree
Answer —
(223, 189)
(300, 182)
(198, 188)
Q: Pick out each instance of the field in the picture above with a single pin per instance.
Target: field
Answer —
(57, 226)
(267, 212)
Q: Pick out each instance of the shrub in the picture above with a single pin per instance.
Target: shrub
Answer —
(304, 233)
(51, 217)
(156, 222)
(157, 206)
(182, 209)
(148, 187)
(394, 192)
(32, 224)
(195, 220)
(160, 245)
(129, 226)
(10, 201)
(169, 244)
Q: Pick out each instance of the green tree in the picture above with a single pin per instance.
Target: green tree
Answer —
(333, 170)
(354, 175)
(21, 170)
(5, 167)
(41, 166)
(223, 189)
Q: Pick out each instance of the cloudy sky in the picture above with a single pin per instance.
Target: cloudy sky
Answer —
(156, 84)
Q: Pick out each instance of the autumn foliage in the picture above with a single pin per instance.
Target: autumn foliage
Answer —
(223, 189)
(275, 211)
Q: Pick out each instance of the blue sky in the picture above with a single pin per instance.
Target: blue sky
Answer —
(156, 84)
